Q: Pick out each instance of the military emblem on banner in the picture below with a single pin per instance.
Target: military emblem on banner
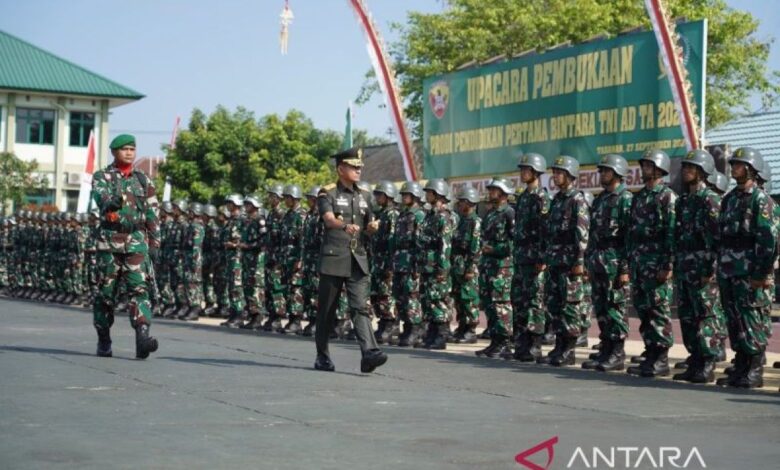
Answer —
(439, 98)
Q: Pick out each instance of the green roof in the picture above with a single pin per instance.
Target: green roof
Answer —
(26, 67)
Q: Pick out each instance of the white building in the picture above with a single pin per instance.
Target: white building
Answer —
(48, 106)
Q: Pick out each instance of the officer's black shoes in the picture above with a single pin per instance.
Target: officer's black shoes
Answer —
(616, 359)
(582, 340)
(684, 364)
(270, 324)
(371, 360)
(753, 375)
(193, 314)
(310, 329)
(597, 358)
(104, 342)
(458, 333)
(324, 363)
(704, 371)
(144, 344)
(253, 323)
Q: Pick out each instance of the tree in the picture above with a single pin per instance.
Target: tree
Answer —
(232, 152)
(18, 179)
(476, 30)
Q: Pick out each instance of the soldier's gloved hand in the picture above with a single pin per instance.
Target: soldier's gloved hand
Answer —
(114, 204)
(154, 255)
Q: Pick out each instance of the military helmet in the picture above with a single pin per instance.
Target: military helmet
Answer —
(235, 199)
(413, 188)
(719, 180)
(657, 157)
(167, 207)
(276, 189)
(292, 190)
(501, 183)
(534, 161)
(314, 192)
(700, 158)
(181, 204)
(615, 162)
(568, 164)
(254, 200)
(224, 212)
(196, 208)
(470, 194)
(387, 188)
(765, 175)
(210, 210)
(749, 156)
(439, 187)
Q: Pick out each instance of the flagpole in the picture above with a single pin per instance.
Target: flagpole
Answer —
(85, 189)
(167, 188)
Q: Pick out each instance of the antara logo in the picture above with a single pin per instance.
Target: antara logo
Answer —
(615, 457)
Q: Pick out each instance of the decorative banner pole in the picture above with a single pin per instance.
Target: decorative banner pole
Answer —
(286, 17)
(672, 57)
(386, 78)
(167, 189)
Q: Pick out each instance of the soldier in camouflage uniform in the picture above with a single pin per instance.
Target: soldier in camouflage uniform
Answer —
(696, 236)
(466, 244)
(382, 248)
(129, 234)
(746, 257)
(178, 275)
(651, 245)
(764, 180)
(291, 250)
(567, 238)
(253, 238)
(162, 271)
(312, 242)
(586, 306)
(434, 265)
(274, 290)
(192, 246)
(90, 257)
(5, 249)
(531, 211)
(221, 275)
(211, 249)
(496, 268)
(233, 258)
(406, 276)
(607, 263)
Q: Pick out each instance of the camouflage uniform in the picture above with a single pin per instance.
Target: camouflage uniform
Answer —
(382, 249)
(466, 243)
(291, 251)
(211, 249)
(274, 283)
(496, 270)
(178, 272)
(406, 280)
(253, 236)
(233, 269)
(434, 268)
(192, 244)
(167, 263)
(312, 241)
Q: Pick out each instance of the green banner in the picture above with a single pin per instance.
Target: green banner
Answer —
(608, 96)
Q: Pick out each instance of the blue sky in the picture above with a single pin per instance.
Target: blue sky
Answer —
(184, 54)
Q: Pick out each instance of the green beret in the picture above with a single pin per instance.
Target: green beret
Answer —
(121, 140)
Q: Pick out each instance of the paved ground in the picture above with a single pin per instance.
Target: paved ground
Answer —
(212, 398)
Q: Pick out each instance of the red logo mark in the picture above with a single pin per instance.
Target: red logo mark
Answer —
(522, 457)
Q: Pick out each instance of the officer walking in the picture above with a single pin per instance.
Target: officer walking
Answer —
(347, 214)
(128, 235)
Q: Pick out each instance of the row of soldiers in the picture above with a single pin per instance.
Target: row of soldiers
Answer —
(540, 265)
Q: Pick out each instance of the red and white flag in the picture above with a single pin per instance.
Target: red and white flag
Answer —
(86, 177)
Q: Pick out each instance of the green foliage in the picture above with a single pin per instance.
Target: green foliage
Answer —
(17, 179)
(476, 30)
(232, 152)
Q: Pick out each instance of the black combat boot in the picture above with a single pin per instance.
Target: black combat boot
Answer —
(489, 351)
(104, 342)
(408, 337)
(233, 321)
(426, 338)
(566, 358)
(380, 329)
(753, 377)
(617, 356)
(684, 364)
(646, 356)
(440, 335)
(556, 351)
(193, 314)
(582, 340)
(597, 346)
(254, 322)
(529, 348)
(458, 333)
(549, 334)
(739, 368)
(659, 367)
(690, 364)
(597, 358)
(469, 335)
(144, 344)
(704, 371)
(640, 358)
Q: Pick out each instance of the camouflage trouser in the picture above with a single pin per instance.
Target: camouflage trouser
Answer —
(528, 299)
(495, 292)
(586, 306)
(118, 269)
(745, 308)
(609, 303)
(564, 293)
(92, 274)
(406, 290)
(253, 278)
(193, 273)
(311, 285)
(435, 297)
(3, 267)
(178, 279)
(651, 301)
(165, 279)
(465, 293)
(382, 300)
(221, 277)
(767, 310)
(342, 310)
(209, 275)
(76, 274)
(696, 308)
(274, 291)
(293, 291)
(235, 292)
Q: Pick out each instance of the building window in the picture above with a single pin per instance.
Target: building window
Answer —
(81, 124)
(34, 126)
